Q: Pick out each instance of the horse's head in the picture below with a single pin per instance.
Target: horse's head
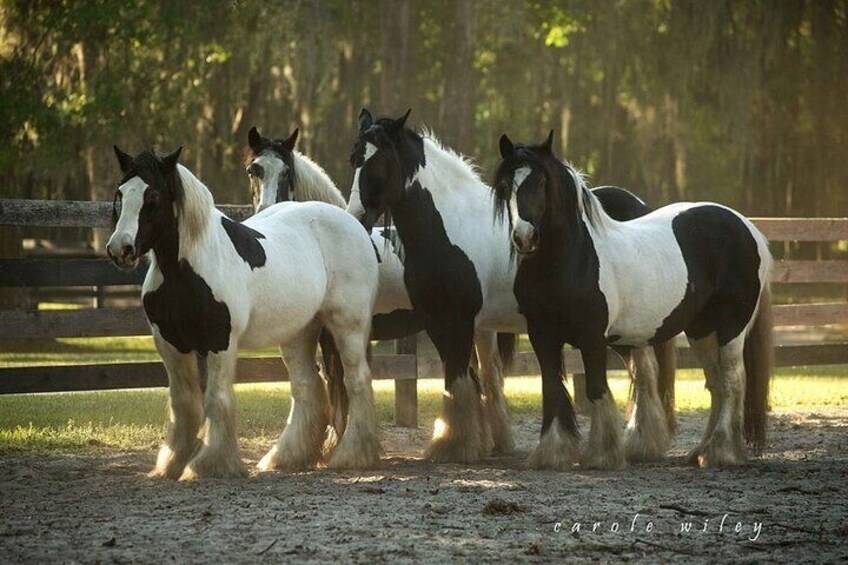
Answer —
(270, 166)
(147, 196)
(523, 187)
(385, 156)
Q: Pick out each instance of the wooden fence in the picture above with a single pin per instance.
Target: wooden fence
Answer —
(404, 367)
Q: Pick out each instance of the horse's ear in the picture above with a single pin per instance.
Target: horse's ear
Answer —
(506, 147)
(366, 120)
(170, 161)
(548, 143)
(124, 160)
(288, 144)
(253, 138)
(401, 121)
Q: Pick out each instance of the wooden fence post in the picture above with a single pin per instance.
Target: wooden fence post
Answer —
(406, 390)
(581, 401)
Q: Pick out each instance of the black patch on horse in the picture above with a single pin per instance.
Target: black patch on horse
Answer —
(441, 280)
(187, 314)
(395, 325)
(246, 242)
(722, 262)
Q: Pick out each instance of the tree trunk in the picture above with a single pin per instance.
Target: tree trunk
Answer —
(397, 26)
(459, 90)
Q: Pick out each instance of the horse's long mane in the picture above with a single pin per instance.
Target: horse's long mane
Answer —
(444, 157)
(313, 183)
(193, 209)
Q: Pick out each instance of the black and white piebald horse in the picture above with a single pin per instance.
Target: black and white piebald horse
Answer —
(215, 285)
(458, 273)
(590, 281)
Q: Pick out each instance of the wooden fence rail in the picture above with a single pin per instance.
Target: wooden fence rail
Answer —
(405, 367)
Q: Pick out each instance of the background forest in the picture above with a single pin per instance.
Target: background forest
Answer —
(742, 102)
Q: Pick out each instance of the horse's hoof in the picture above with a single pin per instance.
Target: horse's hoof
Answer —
(230, 467)
(719, 451)
(557, 450)
(351, 454)
(275, 460)
(639, 447)
(609, 461)
(448, 449)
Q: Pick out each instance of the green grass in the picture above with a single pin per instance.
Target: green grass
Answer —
(135, 420)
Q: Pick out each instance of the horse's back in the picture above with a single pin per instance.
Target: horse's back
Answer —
(690, 258)
(317, 253)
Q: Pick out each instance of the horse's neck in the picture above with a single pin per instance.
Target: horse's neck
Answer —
(171, 249)
(313, 183)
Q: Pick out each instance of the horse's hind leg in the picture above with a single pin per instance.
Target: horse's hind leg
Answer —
(219, 454)
(604, 448)
(359, 447)
(706, 350)
(491, 375)
(185, 409)
(299, 445)
(647, 437)
(725, 445)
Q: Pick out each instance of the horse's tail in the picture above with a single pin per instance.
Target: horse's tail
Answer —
(334, 372)
(506, 349)
(758, 356)
(666, 353)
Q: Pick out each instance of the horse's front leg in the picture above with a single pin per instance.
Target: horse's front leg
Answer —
(185, 408)
(461, 434)
(219, 454)
(604, 448)
(560, 439)
(647, 437)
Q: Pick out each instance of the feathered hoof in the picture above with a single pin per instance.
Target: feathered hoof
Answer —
(278, 460)
(610, 460)
(356, 454)
(170, 465)
(218, 466)
(719, 451)
(557, 450)
(452, 449)
(642, 445)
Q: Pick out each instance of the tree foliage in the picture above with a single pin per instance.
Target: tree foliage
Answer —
(742, 102)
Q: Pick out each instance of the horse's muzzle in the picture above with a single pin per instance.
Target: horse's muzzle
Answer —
(525, 241)
(123, 255)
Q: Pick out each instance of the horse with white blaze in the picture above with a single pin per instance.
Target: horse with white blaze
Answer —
(279, 173)
(215, 285)
(460, 278)
(590, 281)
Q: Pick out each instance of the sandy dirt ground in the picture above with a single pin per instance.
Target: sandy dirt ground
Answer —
(791, 505)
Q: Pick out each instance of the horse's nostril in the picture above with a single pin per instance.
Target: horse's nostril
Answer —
(127, 251)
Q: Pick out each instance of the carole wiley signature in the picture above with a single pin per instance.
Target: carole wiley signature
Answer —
(638, 524)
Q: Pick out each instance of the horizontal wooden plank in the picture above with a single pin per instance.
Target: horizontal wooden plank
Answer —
(395, 367)
(810, 314)
(803, 229)
(67, 272)
(67, 378)
(76, 214)
(17, 324)
(810, 271)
